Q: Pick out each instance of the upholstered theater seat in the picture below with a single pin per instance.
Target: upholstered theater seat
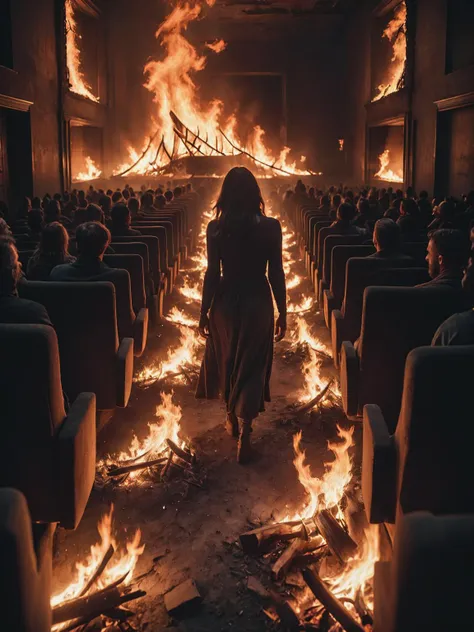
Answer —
(330, 243)
(360, 273)
(426, 464)
(154, 292)
(153, 245)
(395, 320)
(134, 266)
(26, 567)
(428, 584)
(333, 297)
(92, 358)
(48, 454)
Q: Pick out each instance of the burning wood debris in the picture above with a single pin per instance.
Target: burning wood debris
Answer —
(319, 563)
(160, 458)
(102, 585)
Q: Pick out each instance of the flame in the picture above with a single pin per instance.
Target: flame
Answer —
(116, 568)
(218, 46)
(395, 33)
(178, 317)
(325, 492)
(77, 82)
(154, 444)
(305, 304)
(341, 144)
(92, 171)
(386, 172)
(171, 82)
(191, 292)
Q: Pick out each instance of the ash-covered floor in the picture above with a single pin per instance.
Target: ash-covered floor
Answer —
(192, 532)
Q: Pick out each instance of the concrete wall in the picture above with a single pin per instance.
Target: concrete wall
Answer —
(35, 78)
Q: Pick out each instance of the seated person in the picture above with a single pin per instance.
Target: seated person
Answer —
(388, 241)
(444, 216)
(35, 220)
(147, 203)
(325, 205)
(160, 202)
(343, 224)
(363, 216)
(117, 197)
(52, 213)
(134, 208)
(448, 253)
(95, 214)
(394, 210)
(426, 209)
(105, 203)
(51, 252)
(121, 221)
(5, 229)
(335, 204)
(409, 220)
(92, 241)
(13, 309)
(458, 329)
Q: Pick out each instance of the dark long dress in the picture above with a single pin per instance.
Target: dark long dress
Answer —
(239, 351)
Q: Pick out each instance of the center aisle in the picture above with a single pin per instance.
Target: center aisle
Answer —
(189, 532)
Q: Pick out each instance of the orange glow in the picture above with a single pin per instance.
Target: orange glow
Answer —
(388, 172)
(91, 171)
(395, 33)
(77, 81)
(325, 492)
(341, 144)
(217, 46)
(121, 563)
(172, 84)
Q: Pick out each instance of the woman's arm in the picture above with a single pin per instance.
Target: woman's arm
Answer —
(213, 272)
(276, 274)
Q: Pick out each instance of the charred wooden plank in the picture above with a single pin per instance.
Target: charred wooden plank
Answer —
(134, 467)
(99, 570)
(297, 548)
(330, 602)
(253, 542)
(338, 540)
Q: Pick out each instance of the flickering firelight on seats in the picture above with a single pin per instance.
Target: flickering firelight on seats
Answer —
(236, 315)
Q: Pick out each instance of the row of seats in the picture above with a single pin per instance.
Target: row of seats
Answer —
(54, 382)
(413, 401)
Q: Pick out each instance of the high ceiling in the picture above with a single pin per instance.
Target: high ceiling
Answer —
(238, 9)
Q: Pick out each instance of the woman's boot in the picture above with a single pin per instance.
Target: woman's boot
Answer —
(244, 449)
(232, 425)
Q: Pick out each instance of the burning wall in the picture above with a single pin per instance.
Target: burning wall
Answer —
(386, 149)
(388, 70)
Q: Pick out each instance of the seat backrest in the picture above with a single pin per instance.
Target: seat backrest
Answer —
(25, 591)
(32, 409)
(159, 232)
(360, 273)
(153, 245)
(396, 320)
(134, 248)
(401, 277)
(331, 242)
(84, 317)
(322, 233)
(431, 570)
(417, 251)
(134, 265)
(435, 432)
(339, 258)
(317, 225)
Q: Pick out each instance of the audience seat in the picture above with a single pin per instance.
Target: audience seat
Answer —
(160, 232)
(24, 256)
(316, 227)
(154, 293)
(360, 273)
(429, 583)
(395, 320)
(134, 266)
(426, 463)
(331, 242)
(92, 359)
(48, 455)
(26, 569)
(333, 297)
(153, 245)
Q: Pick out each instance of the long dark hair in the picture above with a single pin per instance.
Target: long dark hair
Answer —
(54, 243)
(240, 202)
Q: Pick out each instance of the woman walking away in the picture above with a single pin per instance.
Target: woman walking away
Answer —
(237, 316)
